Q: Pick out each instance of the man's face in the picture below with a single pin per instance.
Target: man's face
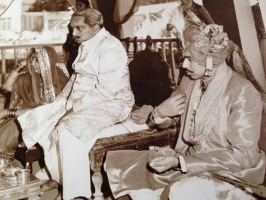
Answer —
(81, 31)
(193, 69)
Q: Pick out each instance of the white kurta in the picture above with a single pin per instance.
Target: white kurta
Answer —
(97, 96)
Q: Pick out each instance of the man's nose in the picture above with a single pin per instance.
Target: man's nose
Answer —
(32, 62)
(74, 33)
(186, 64)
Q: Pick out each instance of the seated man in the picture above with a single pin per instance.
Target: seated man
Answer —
(220, 112)
(97, 96)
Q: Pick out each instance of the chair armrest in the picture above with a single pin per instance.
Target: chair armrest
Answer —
(140, 140)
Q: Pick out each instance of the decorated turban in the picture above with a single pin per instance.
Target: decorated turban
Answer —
(206, 40)
(203, 40)
(210, 40)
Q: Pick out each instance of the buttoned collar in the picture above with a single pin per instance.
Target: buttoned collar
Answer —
(86, 44)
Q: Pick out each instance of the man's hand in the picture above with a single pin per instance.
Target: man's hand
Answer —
(141, 116)
(164, 151)
(172, 106)
(162, 164)
(23, 62)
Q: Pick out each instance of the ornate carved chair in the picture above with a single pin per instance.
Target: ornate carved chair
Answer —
(140, 140)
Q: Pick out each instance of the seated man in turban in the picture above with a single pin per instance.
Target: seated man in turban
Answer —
(220, 112)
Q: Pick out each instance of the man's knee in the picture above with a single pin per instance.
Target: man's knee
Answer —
(193, 188)
(144, 194)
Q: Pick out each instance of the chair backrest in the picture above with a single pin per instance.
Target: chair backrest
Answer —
(149, 78)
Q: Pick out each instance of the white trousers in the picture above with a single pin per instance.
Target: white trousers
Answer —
(193, 188)
(68, 160)
(68, 164)
(146, 194)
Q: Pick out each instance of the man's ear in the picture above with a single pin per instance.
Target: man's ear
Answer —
(96, 28)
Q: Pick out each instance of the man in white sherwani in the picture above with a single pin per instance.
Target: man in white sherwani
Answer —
(97, 95)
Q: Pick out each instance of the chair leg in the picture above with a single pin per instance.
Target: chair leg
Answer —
(29, 159)
(97, 180)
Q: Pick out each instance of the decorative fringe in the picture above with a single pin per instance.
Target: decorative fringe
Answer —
(62, 66)
(237, 61)
(241, 65)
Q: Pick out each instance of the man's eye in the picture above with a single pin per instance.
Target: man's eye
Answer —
(188, 59)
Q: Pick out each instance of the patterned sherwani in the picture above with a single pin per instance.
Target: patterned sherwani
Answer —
(97, 95)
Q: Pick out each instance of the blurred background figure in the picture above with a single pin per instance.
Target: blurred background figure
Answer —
(199, 10)
(179, 16)
(149, 76)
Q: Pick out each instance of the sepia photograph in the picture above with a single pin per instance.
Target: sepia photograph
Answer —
(132, 99)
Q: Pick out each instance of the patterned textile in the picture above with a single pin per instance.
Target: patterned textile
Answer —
(31, 90)
(180, 16)
(206, 40)
(200, 92)
(241, 65)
